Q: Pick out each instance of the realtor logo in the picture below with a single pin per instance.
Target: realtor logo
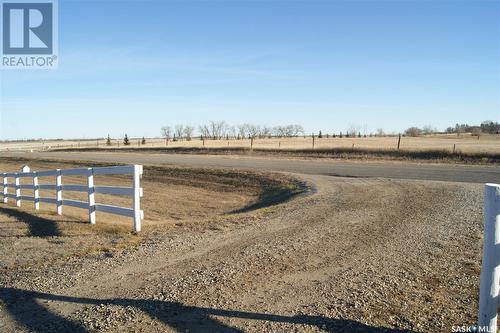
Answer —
(29, 34)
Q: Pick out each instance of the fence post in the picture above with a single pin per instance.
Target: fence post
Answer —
(36, 192)
(91, 195)
(18, 191)
(490, 270)
(5, 189)
(137, 197)
(59, 192)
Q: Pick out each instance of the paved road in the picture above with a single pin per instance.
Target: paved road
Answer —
(396, 170)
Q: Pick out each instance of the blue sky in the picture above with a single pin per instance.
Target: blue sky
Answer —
(133, 66)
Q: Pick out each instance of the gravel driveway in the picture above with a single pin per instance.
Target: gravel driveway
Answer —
(351, 255)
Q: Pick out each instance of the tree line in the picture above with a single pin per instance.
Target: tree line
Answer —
(217, 130)
(486, 127)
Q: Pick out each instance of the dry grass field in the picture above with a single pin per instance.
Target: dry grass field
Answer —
(173, 197)
(465, 143)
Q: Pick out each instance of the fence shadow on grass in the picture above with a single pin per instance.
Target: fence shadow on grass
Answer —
(37, 226)
(26, 308)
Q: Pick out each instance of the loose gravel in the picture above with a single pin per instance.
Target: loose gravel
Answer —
(352, 255)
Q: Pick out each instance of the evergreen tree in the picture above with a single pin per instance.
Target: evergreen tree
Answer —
(108, 141)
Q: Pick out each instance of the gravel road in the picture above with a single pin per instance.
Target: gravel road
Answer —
(352, 255)
(394, 170)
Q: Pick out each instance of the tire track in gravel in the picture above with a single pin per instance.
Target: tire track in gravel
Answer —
(354, 256)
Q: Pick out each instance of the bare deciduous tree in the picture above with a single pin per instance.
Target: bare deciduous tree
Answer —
(265, 132)
(288, 131)
(217, 129)
(429, 129)
(242, 130)
(353, 130)
(204, 131)
(179, 131)
(166, 132)
(253, 130)
(279, 131)
(476, 131)
(296, 130)
(188, 132)
(413, 131)
(231, 132)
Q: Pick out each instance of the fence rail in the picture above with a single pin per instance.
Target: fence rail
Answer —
(135, 191)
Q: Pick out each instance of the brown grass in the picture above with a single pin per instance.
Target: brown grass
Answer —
(464, 144)
(443, 148)
(335, 153)
(172, 197)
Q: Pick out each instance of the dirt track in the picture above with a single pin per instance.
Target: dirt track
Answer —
(354, 255)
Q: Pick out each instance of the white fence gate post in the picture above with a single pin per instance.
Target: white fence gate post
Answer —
(18, 191)
(91, 195)
(36, 192)
(59, 192)
(137, 197)
(5, 190)
(490, 270)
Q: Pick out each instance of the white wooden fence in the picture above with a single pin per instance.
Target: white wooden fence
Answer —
(135, 191)
(490, 268)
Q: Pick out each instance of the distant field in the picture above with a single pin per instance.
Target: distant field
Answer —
(467, 144)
